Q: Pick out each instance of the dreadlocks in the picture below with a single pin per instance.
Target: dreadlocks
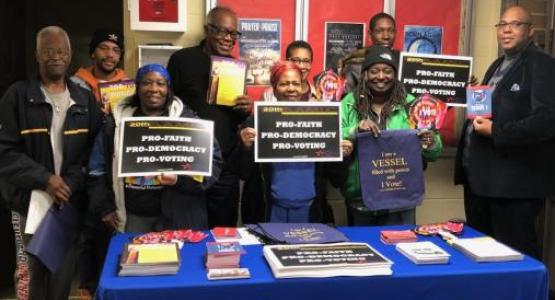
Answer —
(396, 97)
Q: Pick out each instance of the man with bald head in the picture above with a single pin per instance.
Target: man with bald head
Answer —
(190, 72)
(47, 126)
(506, 163)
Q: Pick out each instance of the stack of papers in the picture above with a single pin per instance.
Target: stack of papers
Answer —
(328, 260)
(391, 237)
(423, 252)
(486, 249)
(149, 259)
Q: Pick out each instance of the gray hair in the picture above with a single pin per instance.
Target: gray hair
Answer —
(52, 30)
(219, 10)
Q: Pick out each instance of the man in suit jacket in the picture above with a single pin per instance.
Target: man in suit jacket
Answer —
(507, 163)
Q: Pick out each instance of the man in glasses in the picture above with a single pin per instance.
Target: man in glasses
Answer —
(106, 51)
(506, 162)
(47, 126)
(190, 72)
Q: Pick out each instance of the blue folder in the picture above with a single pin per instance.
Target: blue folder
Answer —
(55, 236)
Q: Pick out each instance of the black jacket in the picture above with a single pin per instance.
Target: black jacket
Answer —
(182, 205)
(26, 160)
(518, 160)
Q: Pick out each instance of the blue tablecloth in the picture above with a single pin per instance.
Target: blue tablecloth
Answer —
(460, 279)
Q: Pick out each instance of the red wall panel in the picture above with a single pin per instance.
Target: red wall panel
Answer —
(445, 13)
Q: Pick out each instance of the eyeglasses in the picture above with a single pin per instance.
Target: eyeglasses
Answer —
(222, 32)
(512, 25)
(300, 61)
(51, 52)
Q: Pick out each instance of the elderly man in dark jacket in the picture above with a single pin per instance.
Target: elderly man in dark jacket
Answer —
(47, 126)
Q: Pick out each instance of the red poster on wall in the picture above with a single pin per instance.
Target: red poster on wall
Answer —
(158, 11)
(275, 10)
(444, 14)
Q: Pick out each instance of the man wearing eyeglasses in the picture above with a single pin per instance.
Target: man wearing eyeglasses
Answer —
(47, 126)
(190, 72)
(106, 50)
(506, 163)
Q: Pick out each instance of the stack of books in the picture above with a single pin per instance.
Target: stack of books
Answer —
(149, 259)
(423, 252)
(326, 260)
(486, 249)
(391, 237)
(223, 260)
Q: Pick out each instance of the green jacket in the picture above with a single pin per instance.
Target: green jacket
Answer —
(398, 119)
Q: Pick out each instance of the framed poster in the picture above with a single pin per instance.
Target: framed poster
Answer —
(153, 145)
(342, 38)
(158, 15)
(260, 47)
(297, 131)
(423, 39)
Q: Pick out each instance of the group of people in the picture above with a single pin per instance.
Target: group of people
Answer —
(57, 136)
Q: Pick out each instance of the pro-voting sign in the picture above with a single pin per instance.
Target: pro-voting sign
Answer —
(297, 131)
(154, 145)
(442, 76)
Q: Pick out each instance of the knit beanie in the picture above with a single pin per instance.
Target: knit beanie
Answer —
(102, 35)
(378, 54)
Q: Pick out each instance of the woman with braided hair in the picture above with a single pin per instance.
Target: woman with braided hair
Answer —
(380, 103)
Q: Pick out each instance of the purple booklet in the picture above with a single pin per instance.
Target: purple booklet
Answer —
(55, 236)
(391, 173)
(297, 233)
(478, 101)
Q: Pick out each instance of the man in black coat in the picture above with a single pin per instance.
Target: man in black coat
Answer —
(190, 72)
(507, 163)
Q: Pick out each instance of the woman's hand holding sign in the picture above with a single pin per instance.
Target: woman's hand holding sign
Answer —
(247, 137)
(167, 179)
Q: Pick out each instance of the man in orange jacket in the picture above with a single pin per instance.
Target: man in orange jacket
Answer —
(106, 50)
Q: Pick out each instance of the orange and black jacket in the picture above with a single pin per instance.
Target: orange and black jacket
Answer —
(26, 159)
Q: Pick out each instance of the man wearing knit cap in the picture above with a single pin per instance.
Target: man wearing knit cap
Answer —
(106, 50)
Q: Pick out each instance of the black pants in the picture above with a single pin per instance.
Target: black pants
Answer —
(253, 207)
(223, 200)
(511, 221)
(94, 245)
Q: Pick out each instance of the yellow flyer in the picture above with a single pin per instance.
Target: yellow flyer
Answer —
(227, 80)
(112, 92)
